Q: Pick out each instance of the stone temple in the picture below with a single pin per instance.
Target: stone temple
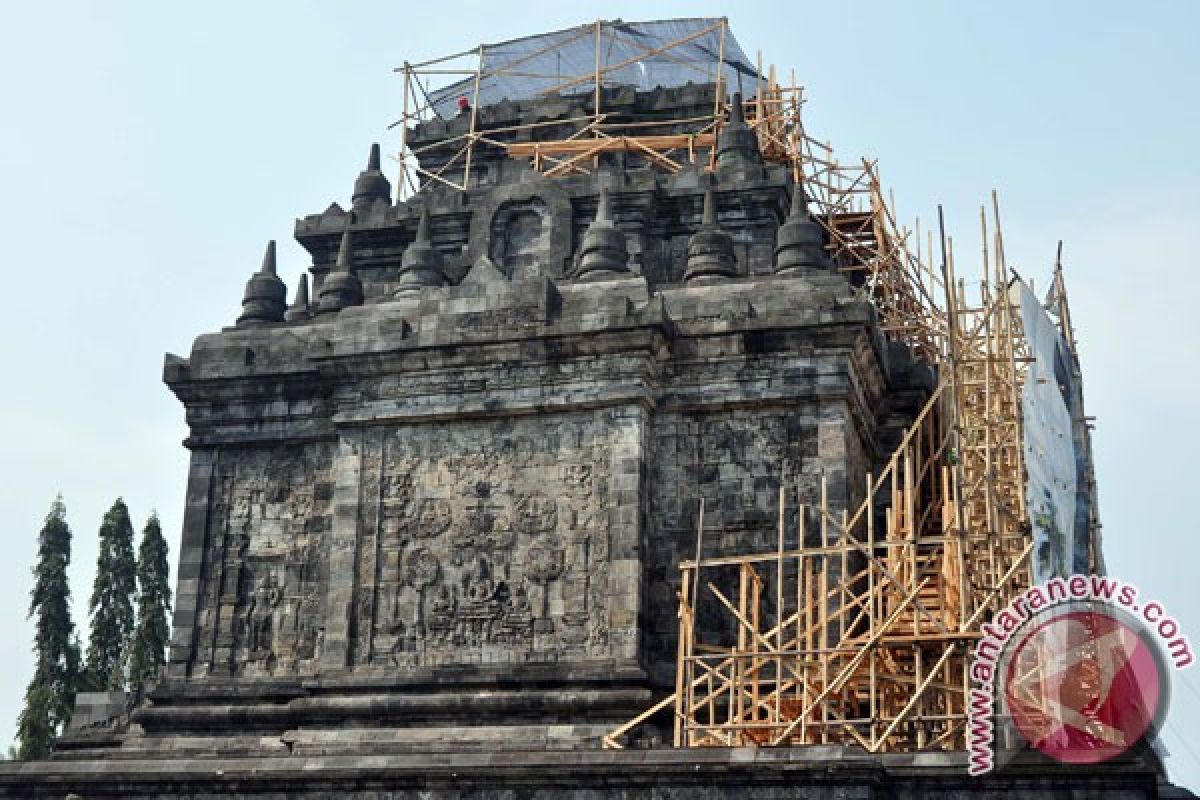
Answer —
(439, 491)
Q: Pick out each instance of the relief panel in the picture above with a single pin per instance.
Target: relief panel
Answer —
(261, 605)
(484, 542)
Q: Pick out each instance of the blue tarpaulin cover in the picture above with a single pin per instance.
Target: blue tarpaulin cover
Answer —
(534, 65)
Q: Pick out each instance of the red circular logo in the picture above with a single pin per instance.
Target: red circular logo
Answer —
(1084, 686)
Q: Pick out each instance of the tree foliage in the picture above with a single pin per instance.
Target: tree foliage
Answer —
(111, 603)
(154, 605)
(50, 698)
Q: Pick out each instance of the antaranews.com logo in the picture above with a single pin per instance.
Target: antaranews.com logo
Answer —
(1075, 668)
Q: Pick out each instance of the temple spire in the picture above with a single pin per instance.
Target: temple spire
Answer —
(800, 241)
(268, 264)
(603, 252)
(423, 224)
(345, 254)
(421, 265)
(708, 218)
(342, 287)
(738, 155)
(371, 186)
(299, 309)
(603, 213)
(737, 115)
(265, 298)
(710, 254)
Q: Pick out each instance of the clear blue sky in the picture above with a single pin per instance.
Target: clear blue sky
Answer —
(148, 150)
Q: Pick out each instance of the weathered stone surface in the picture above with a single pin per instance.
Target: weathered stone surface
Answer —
(820, 773)
(433, 524)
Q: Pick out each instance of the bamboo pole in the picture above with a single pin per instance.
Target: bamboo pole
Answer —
(719, 99)
(779, 610)
(683, 666)
(756, 662)
(802, 606)
(823, 603)
(596, 100)
(851, 665)
(402, 179)
(758, 91)
(696, 576)
(695, 607)
(474, 120)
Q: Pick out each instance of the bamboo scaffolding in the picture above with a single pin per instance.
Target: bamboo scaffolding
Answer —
(862, 636)
(847, 200)
(876, 655)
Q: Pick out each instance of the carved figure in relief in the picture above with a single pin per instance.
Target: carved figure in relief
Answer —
(598, 634)
(300, 505)
(520, 604)
(433, 517)
(404, 642)
(485, 600)
(462, 545)
(473, 535)
(262, 610)
(285, 638)
(577, 477)
(535, 513)
(598, 608)
(517, 623)
(307, 626)
(575, 590)
(395, 484)
(254, 610)
(543, 564)
(477, 466)
(244, 504)
(362, 616)
(396, 502)
(440, 621)
(473, 540)
(499, 540)
(578, 513)
(479, 587)
(421, 568)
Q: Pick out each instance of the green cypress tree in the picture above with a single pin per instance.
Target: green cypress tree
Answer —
(111, 604)
(154, 606)
(35, 725)
(50, 698)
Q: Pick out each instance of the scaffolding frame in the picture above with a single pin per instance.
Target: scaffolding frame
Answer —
(863, 637)
(861, 634)
(882, 258)
(596, 134)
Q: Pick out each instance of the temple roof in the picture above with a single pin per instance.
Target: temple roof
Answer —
(666, 53)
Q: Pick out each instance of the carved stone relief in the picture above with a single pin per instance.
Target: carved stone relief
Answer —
(520, 237)
(487, 542)
(261, 604)
(524, 229)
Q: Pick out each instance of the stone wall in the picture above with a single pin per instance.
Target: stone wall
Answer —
(453, 493)
(492, 540)
(262, 592)
(434, 519)
(817, 773)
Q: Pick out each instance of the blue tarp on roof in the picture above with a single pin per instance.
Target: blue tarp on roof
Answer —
(563, 62)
